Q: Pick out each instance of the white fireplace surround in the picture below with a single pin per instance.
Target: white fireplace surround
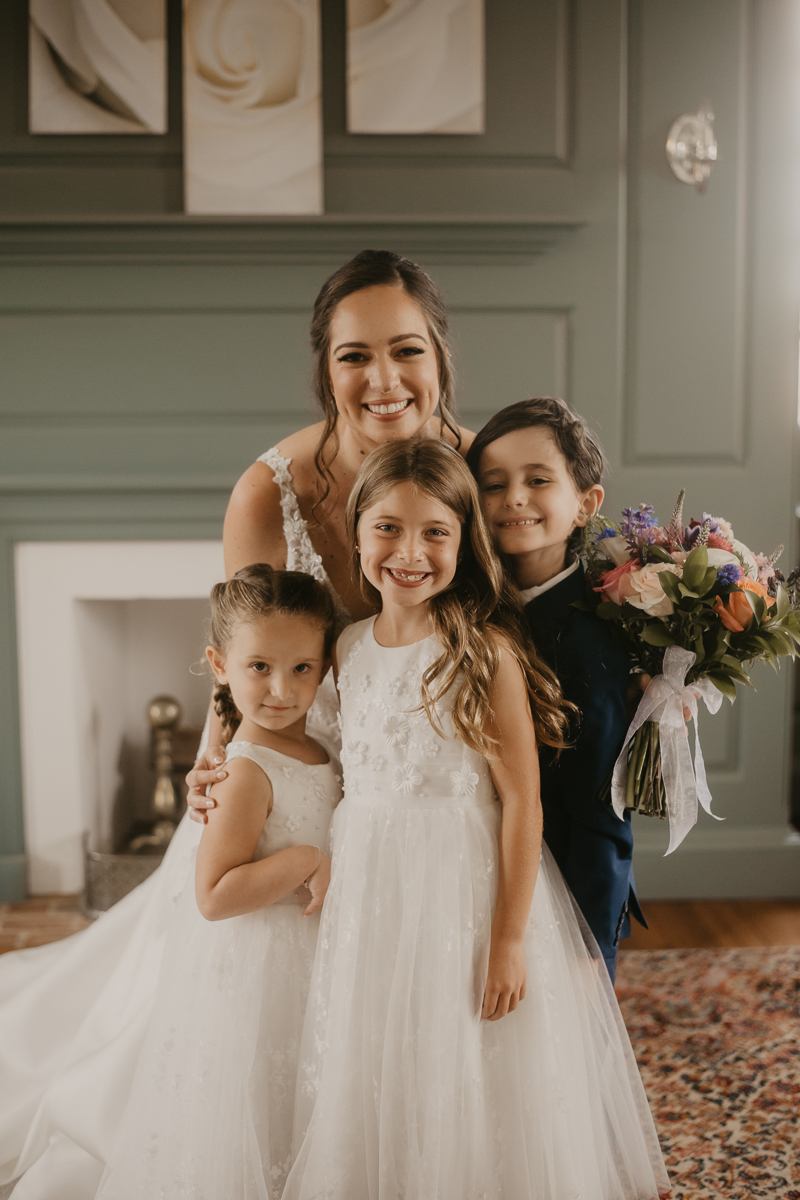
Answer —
(79, 610)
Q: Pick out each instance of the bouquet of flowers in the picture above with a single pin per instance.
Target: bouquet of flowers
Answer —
(695, 608)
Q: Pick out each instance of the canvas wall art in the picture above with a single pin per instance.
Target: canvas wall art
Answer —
(97, 66)
(252, 106)
(415, 66)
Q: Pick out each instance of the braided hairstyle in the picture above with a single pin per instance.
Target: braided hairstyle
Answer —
(260, 591)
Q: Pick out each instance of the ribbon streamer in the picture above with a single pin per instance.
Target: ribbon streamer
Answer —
(663, 702)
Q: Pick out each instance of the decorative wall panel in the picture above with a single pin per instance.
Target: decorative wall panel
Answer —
(507, 354)
(688, 283)
(252, 108)
(97, 66)
(415, 66)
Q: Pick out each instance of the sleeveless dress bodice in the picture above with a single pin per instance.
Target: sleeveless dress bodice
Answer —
(304, 796)
(391, 754)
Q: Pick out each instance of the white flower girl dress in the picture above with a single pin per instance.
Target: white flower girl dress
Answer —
(73, 1014)
(210, 1114)
(404, 1093)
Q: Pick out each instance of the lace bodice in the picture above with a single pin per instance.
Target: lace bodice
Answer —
(323, 715)
(300, 554)
(303, 798)
(390, 753)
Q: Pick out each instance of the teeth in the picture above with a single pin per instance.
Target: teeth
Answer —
(383, 410)
(408, 578)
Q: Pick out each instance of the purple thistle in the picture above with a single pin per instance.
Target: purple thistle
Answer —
(638, 525)
(728, 575)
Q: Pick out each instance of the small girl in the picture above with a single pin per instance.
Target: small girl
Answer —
(211, 1107)
(539, 470)
(460, 1042)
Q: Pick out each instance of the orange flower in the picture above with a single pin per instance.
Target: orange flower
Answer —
(734, 610)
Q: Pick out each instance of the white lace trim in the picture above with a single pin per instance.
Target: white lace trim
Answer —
(300, 553)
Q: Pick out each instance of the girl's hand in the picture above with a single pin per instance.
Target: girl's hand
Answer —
(318, 884)
(207, 770)
(506, 980)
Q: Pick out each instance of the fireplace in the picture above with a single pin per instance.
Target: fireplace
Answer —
(102, 628)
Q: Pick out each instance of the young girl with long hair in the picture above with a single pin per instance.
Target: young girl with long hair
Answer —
(210, 1113)
(461, 1041)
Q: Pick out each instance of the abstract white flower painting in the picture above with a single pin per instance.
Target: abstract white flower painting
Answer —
(415, 66)
(97, 66)
(252, 106)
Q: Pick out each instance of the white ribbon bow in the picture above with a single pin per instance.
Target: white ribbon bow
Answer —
(663, 702)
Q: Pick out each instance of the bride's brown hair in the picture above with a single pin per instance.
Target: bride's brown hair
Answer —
(477, 613)
(261, 591)
(374, 268)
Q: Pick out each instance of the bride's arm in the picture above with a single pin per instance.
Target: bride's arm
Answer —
(253, 532)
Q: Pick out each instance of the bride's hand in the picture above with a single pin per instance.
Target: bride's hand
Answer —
(318, 884)
(207, 770)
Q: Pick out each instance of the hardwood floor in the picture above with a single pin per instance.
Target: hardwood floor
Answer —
(38, 921)
(695, 924)
(674, 924)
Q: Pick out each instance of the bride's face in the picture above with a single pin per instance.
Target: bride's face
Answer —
(383, 365)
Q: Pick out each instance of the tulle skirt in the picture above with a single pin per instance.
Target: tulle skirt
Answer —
(211, 1109)
(73, 1017)
(404, 1093)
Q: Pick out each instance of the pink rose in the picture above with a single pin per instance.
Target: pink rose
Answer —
(615, 585)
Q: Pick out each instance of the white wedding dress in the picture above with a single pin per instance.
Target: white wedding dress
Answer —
(211, 1109)
(404, 1093)
(73, 1014)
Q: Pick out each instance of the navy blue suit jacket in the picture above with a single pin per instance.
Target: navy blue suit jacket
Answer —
(591, 845)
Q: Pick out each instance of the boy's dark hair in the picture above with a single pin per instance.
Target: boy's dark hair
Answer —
(581, 449)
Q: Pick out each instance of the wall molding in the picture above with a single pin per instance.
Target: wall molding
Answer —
(185, 239)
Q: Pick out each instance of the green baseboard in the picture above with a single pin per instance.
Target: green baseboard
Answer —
(13, 884)
(741, 864)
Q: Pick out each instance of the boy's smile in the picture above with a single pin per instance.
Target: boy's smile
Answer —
(531, 503)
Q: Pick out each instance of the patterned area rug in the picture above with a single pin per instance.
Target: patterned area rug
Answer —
(717, 1037)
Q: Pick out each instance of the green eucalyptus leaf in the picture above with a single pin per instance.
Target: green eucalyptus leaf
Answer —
(723, 684)
(781, 603)
(685, 591)
(695, 567)
(608, 611)
(709, 579)
(659, 553)
(657, 635)
(671, 585)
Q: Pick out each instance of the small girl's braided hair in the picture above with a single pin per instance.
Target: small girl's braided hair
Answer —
(576, 441)
(260, 591)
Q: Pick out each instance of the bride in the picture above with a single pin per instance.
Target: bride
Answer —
(73, 1014)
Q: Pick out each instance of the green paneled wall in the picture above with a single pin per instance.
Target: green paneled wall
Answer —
(146, 359)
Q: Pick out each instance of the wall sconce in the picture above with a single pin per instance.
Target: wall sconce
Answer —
(692, 147)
